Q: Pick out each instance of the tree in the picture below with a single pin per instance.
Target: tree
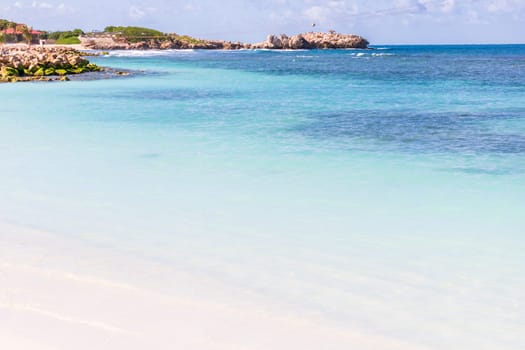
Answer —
(4, 24)
(2, 39)
(26, 33)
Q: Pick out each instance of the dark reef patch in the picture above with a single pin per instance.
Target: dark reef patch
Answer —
(417, 132)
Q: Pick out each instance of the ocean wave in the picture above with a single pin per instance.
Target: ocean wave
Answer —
(148, 53)
(280, 50)
(367, 55)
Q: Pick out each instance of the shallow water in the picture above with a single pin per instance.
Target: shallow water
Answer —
(381, 190)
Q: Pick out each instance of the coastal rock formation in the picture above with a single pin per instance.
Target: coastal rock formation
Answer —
(24, 63)
(313, 40)
(330, 40)
(171, 41)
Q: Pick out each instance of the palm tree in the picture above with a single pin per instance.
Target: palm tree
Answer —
(26, 33)
(13, 26)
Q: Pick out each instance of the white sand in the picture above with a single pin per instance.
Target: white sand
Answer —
(71, 46)
(58, 293)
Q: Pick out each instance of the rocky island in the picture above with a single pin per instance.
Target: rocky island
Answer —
(313, 40)
(42, 63)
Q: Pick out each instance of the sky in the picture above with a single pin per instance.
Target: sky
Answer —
(380, 21)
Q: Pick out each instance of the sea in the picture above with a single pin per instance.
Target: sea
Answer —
(381, 191)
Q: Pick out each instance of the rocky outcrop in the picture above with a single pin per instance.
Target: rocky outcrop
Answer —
(330, 40)
(312, 40)
(22, 63)
(172, 41)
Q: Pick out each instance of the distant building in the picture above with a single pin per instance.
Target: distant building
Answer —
(17, 34)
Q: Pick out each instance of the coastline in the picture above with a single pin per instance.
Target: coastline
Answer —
(64, 293)
(68, 46)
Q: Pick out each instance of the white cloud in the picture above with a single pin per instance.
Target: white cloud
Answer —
(191, 7)
(336, 4)
(423, 6)
(42, 5)
(495, 6)
(32, 5)
(333, 11)
(137, 12)
(438, 6)
(317, 13)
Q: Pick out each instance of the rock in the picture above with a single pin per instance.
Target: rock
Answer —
(330, 40)
(273, 42)
(40, 62)
(298, 42)
(311, 40)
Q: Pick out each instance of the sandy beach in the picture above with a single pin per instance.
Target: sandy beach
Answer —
(62, 294)
(72, 46)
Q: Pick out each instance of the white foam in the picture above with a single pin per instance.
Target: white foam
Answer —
(149, 53)
(281, 50)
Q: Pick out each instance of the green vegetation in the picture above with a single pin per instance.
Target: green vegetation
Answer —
(26, 33)
(66, 37)
(137, 34)
(133, 31)
(68, 41)
(187, 39)
(134, 34)
(5, 24)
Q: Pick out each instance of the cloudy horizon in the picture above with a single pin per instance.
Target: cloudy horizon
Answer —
(381, 22)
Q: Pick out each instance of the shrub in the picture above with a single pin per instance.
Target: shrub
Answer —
(68, 41)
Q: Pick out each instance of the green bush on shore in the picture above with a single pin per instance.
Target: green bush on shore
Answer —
(65, 37)
(135, 34)
(68, 41)
(130, 32)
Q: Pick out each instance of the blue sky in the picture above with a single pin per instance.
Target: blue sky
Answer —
(381, 21)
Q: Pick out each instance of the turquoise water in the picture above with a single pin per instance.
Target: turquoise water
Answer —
(381, 191)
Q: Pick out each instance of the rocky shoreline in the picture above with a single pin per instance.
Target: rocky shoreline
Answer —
(22, 63)
(42, 63)
(311, 40)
